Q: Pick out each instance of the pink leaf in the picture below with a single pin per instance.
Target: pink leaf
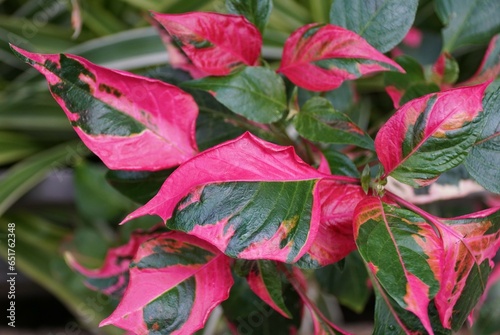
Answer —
(321, 57)
(227, 195)
(215, 43)
(470, 242)
(335, 238)
(176, 280)
(112, 277)
(435, 130)
(130, 122)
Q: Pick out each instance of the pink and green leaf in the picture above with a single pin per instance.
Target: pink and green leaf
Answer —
(176, 280)
(116, 112)
(216, 43)
(335, 238)
(250, 198)
(490, 66)
(469, 245)
(445, 71)
(320, 57)
(265, 281)
(430, 135)
(112, 277)
(402, 252)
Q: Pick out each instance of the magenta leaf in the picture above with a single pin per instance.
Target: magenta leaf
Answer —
(470, 242)
(215, 43)
(112, 277)
(430, 135)
(176, 280)
(115, 112)
(402, 252)
(250, 198)
(320, 57)
(265, 281)
(335, 238)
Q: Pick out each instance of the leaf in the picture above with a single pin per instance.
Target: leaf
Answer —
(445, 71)
(382, 23)
(247, 314)
(470, 243)
(483, 161)
(430, 135)
(140, 186)
(250, 198)
(319, 121)
(115, 112)
(113, 276)
(320, 57)
(256, 93)
(467, 22)
(176, 280)
(347, 282)
(490, 65)
(487, 316)
(216, 43)
(340, 164)
(334, 240)
(265, 281)
(256, 11)
(402, 252)
(403, 87)
(23, 176)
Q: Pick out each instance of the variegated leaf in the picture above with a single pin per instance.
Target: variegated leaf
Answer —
(469, 244)
(403, 254)
(176, 280)
(490, 65)
(250, 198)
(115, 112)
(320, 57)
(335, 239)
(430, 135)
(215, 43)
(112, 277)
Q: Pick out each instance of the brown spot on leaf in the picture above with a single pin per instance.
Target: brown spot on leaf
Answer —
(110, 90)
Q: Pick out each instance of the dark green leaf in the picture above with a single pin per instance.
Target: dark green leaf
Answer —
(340, 164)
(349, 283)
(483, 161)
(383, 23)
(252, 316)
(256, 93)
(318, 121)
(139, 186)
(468, 22)
(256, 11)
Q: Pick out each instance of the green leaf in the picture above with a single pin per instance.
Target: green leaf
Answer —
(256, 93)
(96, 200)
(483, 161)
(349, 283)
(318, 121)
(468, 22)
(140, 186)
(252, 316)
(488, 316)
(383, 23)
(14, 146)
(339, 163)
(23, 176)
(256, 11)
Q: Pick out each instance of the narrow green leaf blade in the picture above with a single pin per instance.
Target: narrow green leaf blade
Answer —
(383, 23)
(319, 121)
(256, 93)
